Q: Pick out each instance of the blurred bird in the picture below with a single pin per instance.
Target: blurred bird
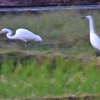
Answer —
(21, 34)
(94, 37)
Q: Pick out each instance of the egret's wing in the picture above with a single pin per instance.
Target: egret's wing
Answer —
(95, 41)
(24, 33)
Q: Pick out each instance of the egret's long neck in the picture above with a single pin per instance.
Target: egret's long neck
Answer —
(91, 25)
(9, 35)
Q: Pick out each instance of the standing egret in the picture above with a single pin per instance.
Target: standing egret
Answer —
(94, 37)
(21, 34)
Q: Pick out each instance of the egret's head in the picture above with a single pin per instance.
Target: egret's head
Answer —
(38, 39)
(87, 17)
(5, 30)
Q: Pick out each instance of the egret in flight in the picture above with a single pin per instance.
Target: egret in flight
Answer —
(94, 37)
(21, 34)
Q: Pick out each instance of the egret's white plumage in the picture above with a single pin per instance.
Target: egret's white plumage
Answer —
(21, 34)
(94, 37)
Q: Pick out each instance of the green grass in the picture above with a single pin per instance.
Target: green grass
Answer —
(63, 77)
(64, 64)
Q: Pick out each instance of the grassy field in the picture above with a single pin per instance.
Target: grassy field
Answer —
(63, 64)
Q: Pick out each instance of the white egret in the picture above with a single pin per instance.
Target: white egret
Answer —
(94, 37)
(21, 34)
